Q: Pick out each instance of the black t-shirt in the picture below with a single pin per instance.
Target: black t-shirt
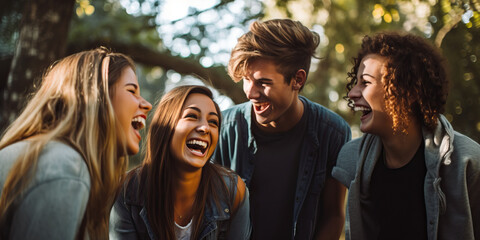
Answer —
(398, 198)
(274, 180)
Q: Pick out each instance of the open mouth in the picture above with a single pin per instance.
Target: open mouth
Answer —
(364, 110)
(197, 146)
(259, 107)
(138, 123)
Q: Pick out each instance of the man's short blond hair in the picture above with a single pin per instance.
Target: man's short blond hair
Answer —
(289, 44)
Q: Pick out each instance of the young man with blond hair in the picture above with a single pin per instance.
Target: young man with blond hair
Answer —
(283, 145)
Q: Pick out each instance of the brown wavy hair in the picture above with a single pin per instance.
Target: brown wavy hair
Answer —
(289, 44)
(73, 106)
(415, 79)
(157, 171)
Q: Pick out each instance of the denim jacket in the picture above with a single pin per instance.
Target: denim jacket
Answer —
(451, 188)
(53, 204)
(128, 218)
(325, 135)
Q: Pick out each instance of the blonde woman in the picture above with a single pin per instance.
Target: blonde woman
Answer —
(178, 193)
(62, 160)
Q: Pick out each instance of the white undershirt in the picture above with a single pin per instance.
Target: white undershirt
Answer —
(183, 233)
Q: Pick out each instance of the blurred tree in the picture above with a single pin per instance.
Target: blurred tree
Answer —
(453, 25)
(107, 23)
(42, 39)
(198, 43)
(136, 35)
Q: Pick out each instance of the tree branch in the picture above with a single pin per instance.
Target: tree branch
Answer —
(213, 76)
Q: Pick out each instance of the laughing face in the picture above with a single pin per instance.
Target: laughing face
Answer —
(130, 110)
(275, 102)
(368, 96)
(196, 133)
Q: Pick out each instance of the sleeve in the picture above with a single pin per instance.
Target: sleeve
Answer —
(52, 210)
(475, 201)
(121, 222)
(345, 169)
(241, 226)
(342, 137)
(220, 156)
(473, 184)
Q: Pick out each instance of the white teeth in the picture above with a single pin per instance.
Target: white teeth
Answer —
(261, 104)
(139, 120)
(361, 108)
(198, 142)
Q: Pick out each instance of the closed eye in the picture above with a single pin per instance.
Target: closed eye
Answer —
(191, 115)
(265, 83)
(214, 122)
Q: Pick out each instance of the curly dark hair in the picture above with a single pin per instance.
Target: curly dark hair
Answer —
(415, 79)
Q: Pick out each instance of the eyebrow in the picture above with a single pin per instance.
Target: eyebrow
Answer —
(366, 74)
(263, 79)
(198, 110)
(131, 84)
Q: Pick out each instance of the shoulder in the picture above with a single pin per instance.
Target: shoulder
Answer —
(235, 185)
(465, 145)
(233, 182)
(324, 117)
(233, 114)
(467, 151)
(60, 171)
(345, 169)
(132, 189)
(59, 160)
(351, 148)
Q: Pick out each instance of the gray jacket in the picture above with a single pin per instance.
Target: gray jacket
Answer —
(452, 184)
(53, 205)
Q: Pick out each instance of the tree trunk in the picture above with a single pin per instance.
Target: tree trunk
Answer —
(42, 39)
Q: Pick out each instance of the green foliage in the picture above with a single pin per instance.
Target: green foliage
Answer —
(110, 22)
(453, 24)
(205, 36)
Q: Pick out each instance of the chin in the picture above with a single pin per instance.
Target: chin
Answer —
(364, 129)
(262, 120)
(132, 150)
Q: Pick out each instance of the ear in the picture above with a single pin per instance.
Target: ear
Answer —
(299, 79)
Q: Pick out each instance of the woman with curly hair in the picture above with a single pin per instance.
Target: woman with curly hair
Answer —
(62, 160)
(410, 176)
(178, 193)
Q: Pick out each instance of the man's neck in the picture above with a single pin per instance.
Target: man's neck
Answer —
(286, 122)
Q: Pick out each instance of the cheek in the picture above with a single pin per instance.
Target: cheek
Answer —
(179, 134)
(245, 86)
(215, 137)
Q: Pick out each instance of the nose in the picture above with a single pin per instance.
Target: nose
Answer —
(250, 89)
(355, 92)
(203, 128)
(145, 105)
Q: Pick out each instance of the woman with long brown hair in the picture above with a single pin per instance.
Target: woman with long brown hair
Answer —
(177, 193)
(63, 158)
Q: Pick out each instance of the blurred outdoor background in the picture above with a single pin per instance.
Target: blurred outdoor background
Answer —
(180, 41)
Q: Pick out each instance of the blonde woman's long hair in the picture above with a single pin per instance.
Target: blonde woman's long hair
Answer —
(73, 106)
